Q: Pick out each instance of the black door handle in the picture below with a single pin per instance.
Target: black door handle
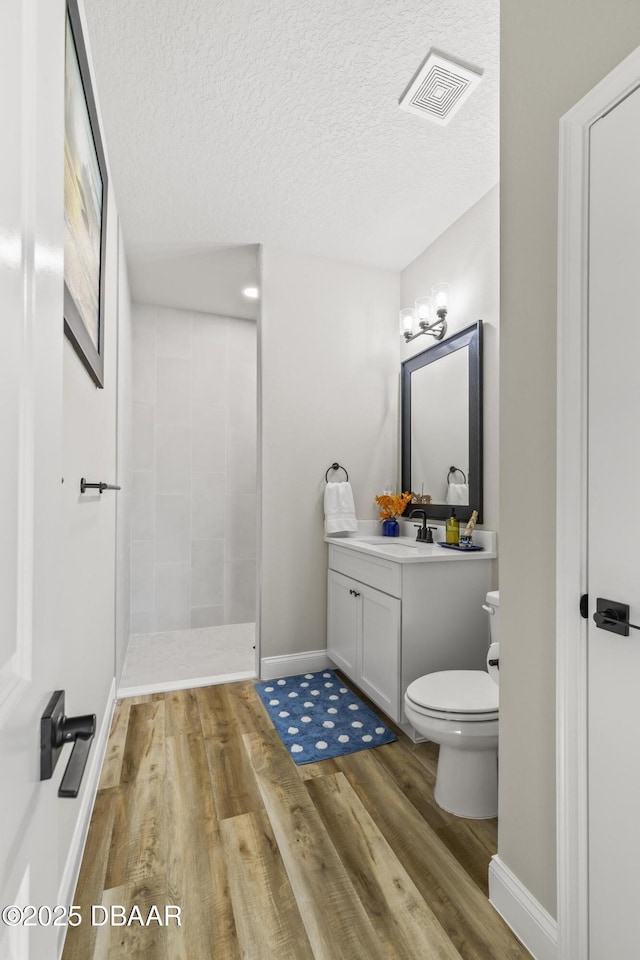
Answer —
(100, 486)
(56, 729)
(613, 616)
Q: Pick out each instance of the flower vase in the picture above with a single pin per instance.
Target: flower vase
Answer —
(390, 527)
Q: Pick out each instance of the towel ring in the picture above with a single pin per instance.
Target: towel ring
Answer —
(456, 470)
(335, 466)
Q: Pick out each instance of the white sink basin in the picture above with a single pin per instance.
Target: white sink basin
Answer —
(391, 545)
(390, 541)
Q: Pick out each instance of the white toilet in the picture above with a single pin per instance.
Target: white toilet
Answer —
(459, 710)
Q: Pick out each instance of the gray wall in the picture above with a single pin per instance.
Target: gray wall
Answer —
(194, 470)
(467, 256)
(330, 353)
(552, 54)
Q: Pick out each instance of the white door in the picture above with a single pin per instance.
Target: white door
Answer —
(31, 204)
(614, 541)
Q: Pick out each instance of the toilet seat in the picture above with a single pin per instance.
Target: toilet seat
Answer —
(465, 695)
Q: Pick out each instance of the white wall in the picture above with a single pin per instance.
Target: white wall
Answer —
(467, 256)
(207, 280)
(552, 54)
(194, 470)
(88, 547)
(123, 465)
(330, 362)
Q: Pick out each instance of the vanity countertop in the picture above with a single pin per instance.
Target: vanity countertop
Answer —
(410, 550)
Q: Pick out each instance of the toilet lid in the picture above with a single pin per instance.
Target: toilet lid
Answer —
(455, 691)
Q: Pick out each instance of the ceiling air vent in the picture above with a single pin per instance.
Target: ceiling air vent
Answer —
(439, 89)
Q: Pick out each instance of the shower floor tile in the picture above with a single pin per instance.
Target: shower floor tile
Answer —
(158, 658)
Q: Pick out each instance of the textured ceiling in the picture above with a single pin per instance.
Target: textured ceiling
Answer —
(240, 122)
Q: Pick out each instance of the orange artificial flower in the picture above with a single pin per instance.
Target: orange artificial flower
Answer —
(392, 504)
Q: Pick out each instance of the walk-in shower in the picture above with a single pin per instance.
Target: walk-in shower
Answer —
(193, 505)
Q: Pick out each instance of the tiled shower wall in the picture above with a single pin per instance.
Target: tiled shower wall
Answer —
(194, 470)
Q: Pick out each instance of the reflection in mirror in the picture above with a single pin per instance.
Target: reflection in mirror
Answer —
(440, 428)
(442, 425)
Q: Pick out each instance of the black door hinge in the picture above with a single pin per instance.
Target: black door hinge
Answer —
(584, 605)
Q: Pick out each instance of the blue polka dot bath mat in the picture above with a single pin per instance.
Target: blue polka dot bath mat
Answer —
(317, 717)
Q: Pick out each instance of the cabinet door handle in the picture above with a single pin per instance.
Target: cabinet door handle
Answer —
(355, 593)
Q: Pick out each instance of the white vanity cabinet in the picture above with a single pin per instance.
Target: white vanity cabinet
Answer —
(389, 622)
(364, 638)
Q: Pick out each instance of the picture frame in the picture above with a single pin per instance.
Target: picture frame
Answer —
(85, 207)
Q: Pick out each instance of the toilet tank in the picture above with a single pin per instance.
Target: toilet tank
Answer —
(493, 608)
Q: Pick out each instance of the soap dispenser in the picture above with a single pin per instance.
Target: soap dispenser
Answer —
(453, 528)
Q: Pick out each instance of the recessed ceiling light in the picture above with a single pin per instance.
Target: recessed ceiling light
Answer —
(251, 293)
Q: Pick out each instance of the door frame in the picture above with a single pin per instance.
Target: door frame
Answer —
(571, 503)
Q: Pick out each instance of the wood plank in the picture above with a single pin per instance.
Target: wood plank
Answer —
(337, 925)
(234, 786)
(427, 753)
(414, 780)
(223, 919)
(134, 939)
(468, 840)
(181, 712)
(267, 916)
(140, 698)
(479, 836)
(136, 851)
(192, 838)
(116, 872)
(473, 925)
(144, 747)
(112, 766)
(321, 768)
(402, 919)
(80, 940)
(248, 709)
(102, 945)
(138, 846)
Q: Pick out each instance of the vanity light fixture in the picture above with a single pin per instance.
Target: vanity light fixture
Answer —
(429, 315)
(251, 293)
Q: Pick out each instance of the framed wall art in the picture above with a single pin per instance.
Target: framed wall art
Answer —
(85, 207)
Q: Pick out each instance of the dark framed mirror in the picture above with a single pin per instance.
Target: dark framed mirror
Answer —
(441, 395)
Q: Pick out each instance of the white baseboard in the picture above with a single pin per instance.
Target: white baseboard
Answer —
(165, 686)
(87, 798)
(530, 922)
(292, 664)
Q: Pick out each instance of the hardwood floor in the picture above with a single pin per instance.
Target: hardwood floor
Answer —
(200, 806)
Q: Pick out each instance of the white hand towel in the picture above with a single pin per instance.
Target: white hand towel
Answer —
(339, 509)
(458, 494)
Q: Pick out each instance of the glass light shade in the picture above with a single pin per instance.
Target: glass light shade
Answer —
(408, 320)
(423, 309)
(441, 294)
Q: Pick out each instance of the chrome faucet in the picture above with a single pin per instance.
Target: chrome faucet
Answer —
(424, 533)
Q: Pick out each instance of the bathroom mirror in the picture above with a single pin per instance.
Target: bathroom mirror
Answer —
(442, 426)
